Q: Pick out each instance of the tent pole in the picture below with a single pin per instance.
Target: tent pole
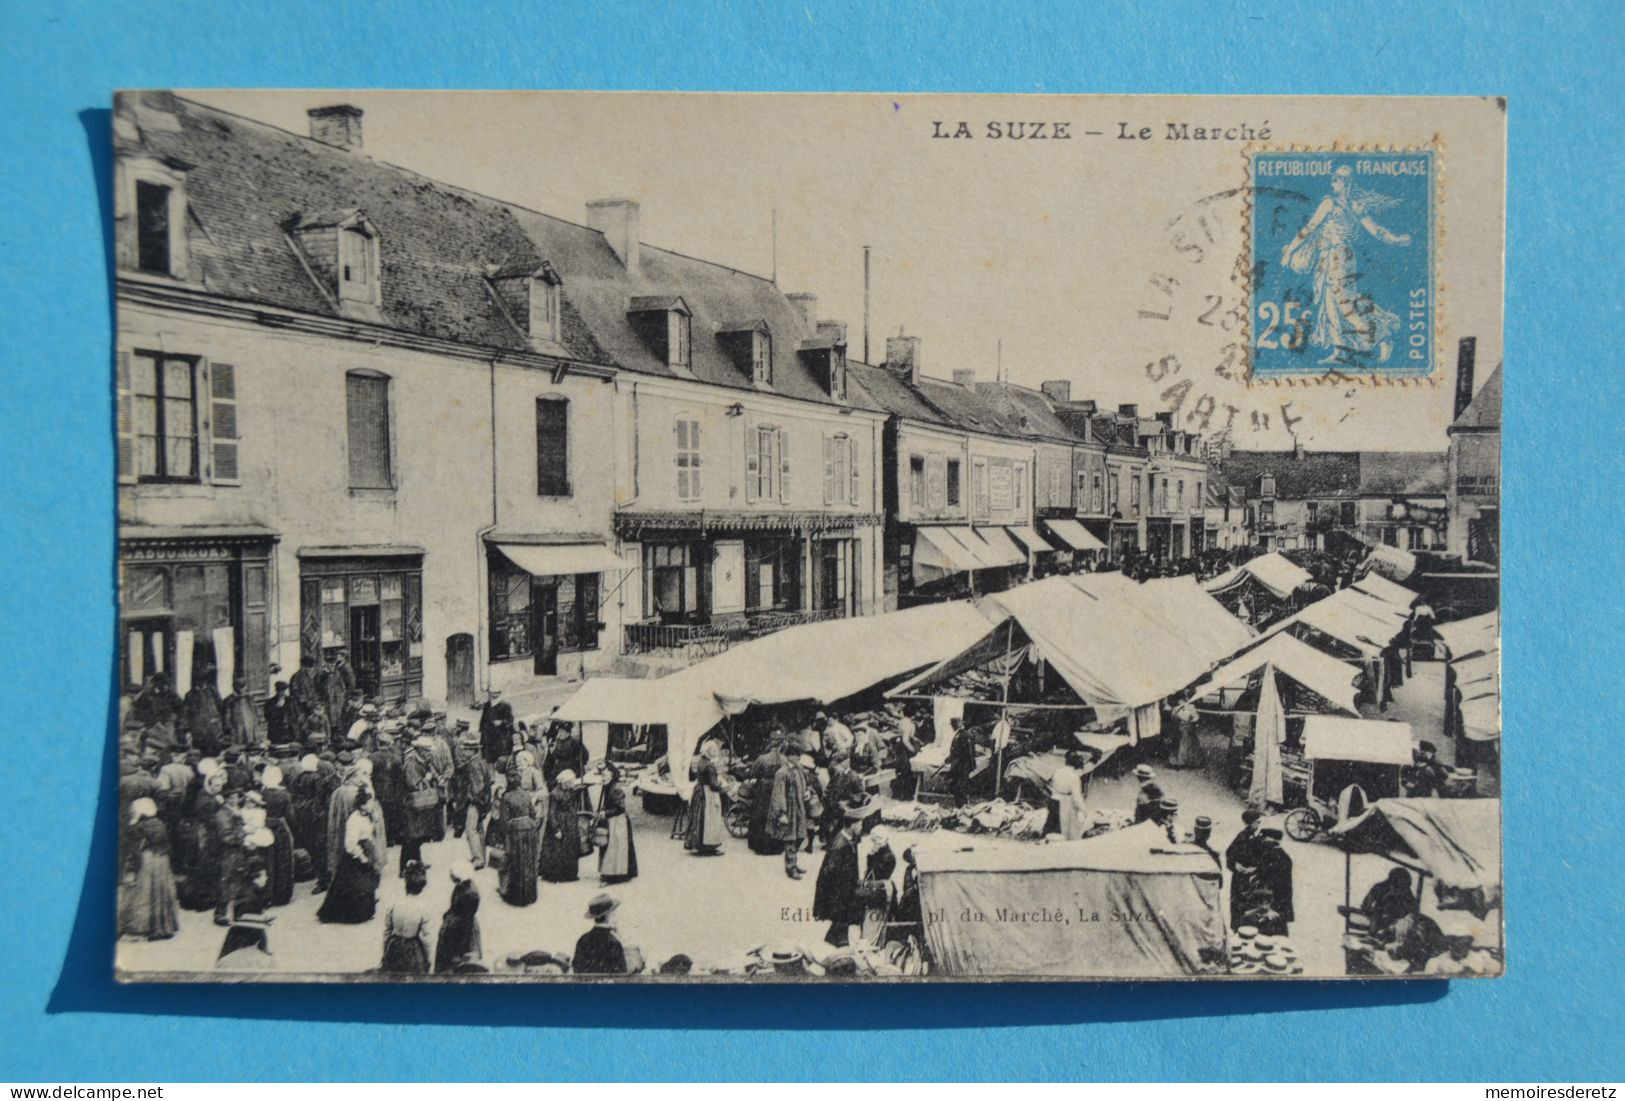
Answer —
(1004, 711)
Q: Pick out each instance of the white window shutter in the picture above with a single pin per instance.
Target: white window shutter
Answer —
(223, 424)
(126, 421)
(753, 464)
(783, 439)
(829, 470)
(680, 427)
(694, 486)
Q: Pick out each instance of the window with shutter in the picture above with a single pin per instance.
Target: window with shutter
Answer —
(371, 465)
(753, 467)
(953, 483)
(830, 443)
(223, 422)
(916, 481)
(552, 447)
(688, 459)
(163, 417)
(782, 440)
(852, 469)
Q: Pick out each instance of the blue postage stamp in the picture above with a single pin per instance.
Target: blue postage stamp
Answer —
(1342, 263)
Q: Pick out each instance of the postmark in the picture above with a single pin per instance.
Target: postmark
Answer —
(1341, 263)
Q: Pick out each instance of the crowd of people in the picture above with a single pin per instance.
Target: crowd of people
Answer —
(226, 815)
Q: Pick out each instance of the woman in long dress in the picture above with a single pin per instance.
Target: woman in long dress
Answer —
(1066, 795)
(520, 833)
(1187, 745)
(278, 816)
(458, 946)
(353, 897)
(706, 828)
(618, 861)
(562, 847)
(406, 927)
(149, 908)
(1345, 321)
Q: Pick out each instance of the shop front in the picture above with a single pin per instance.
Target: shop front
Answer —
(195, 602)
(367, 604)
(547, 599)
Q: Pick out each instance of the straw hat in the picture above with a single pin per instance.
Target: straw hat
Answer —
(601, 907)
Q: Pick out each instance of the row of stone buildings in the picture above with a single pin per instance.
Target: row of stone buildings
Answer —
(469, 445)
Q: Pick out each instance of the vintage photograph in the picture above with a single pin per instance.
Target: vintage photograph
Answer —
(721, 537)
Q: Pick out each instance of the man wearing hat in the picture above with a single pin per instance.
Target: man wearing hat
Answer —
(1145, 803)
(306, 692)
(281, 716)
(1426, 775)
(787, 811)
(241, 717)
(202, 711)
(763, 771)
(835, 895)
(496, 727)
(421, 804)
(599, 950)
(961, 760)
(1165, 814)
(1202, 837)
(364, 730)
(474, 779)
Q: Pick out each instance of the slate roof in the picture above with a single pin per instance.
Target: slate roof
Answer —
(1338, 473)
(249, 180)
(1028, 410)
(886, 391)
(1484, 411)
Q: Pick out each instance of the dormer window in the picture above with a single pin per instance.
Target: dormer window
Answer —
(545, 303)
(339, 250)
(153, 202)
(837, 372)
(825, 357)
(761, 359)
(358, 264)
(677, 340)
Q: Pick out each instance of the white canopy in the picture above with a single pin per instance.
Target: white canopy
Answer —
(939, 550)
(1478, 635)
(1075, 535)
(1328, 737)
(642, 702)
(1322, 674)
(1275, 572)
(1119, 645)
(1374, 584)
(560, 559)
(997, 549)
(1349, 621)
(1393, 562)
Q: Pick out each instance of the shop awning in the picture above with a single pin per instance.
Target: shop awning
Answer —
(686, 713)
(1466, 637)
(942, 551)
(1481, 717)
(1328, 737)
(1030, 539)
(1075, 535)
(1277, 573)
(998, 550)
(559, 559)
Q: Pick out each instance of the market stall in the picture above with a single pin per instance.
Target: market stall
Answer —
(1350, 762)
(1126, 903)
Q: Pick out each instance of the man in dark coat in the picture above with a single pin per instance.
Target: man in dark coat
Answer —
(202, 711)
(241, 717)
(158, 708)
(762, 772)
(475, 778)
(835, 895)
(306, 691)
(568, 755)
(1274, 877)
(961, 761)
(389, 784)
(496, 727)
(787, 811)
(1241, 859)
(281, 716)
(599, 950)
(419, 816)
(844, 785)
(335, 691)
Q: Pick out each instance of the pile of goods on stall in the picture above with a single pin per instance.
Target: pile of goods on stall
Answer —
(1252, 953)
(996, 817)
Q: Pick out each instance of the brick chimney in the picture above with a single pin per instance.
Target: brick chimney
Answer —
(833, 331)
(1128, 409)
(903, 357)
(1057, 390)
(966, 377)
(338, 125)
(1466, 353)
(617, 220)
(808, 305)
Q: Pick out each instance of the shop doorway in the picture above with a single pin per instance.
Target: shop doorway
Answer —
(460, 671)
(544, 611)
(364, 647)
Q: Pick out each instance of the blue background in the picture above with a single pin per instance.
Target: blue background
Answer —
(1387, 274)
(1555, 1016)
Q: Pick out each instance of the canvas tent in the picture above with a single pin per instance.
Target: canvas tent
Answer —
(1126, 903)
(1322, 674)
(1332, 738)
(1354, 619)
(1466, 637)
(1391, 562)
(1458, 841)
(1119, 647)
(1374, 584)
(686, 711)
(1277, 573)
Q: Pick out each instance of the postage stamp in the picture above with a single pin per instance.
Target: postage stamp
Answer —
(1342, 247)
